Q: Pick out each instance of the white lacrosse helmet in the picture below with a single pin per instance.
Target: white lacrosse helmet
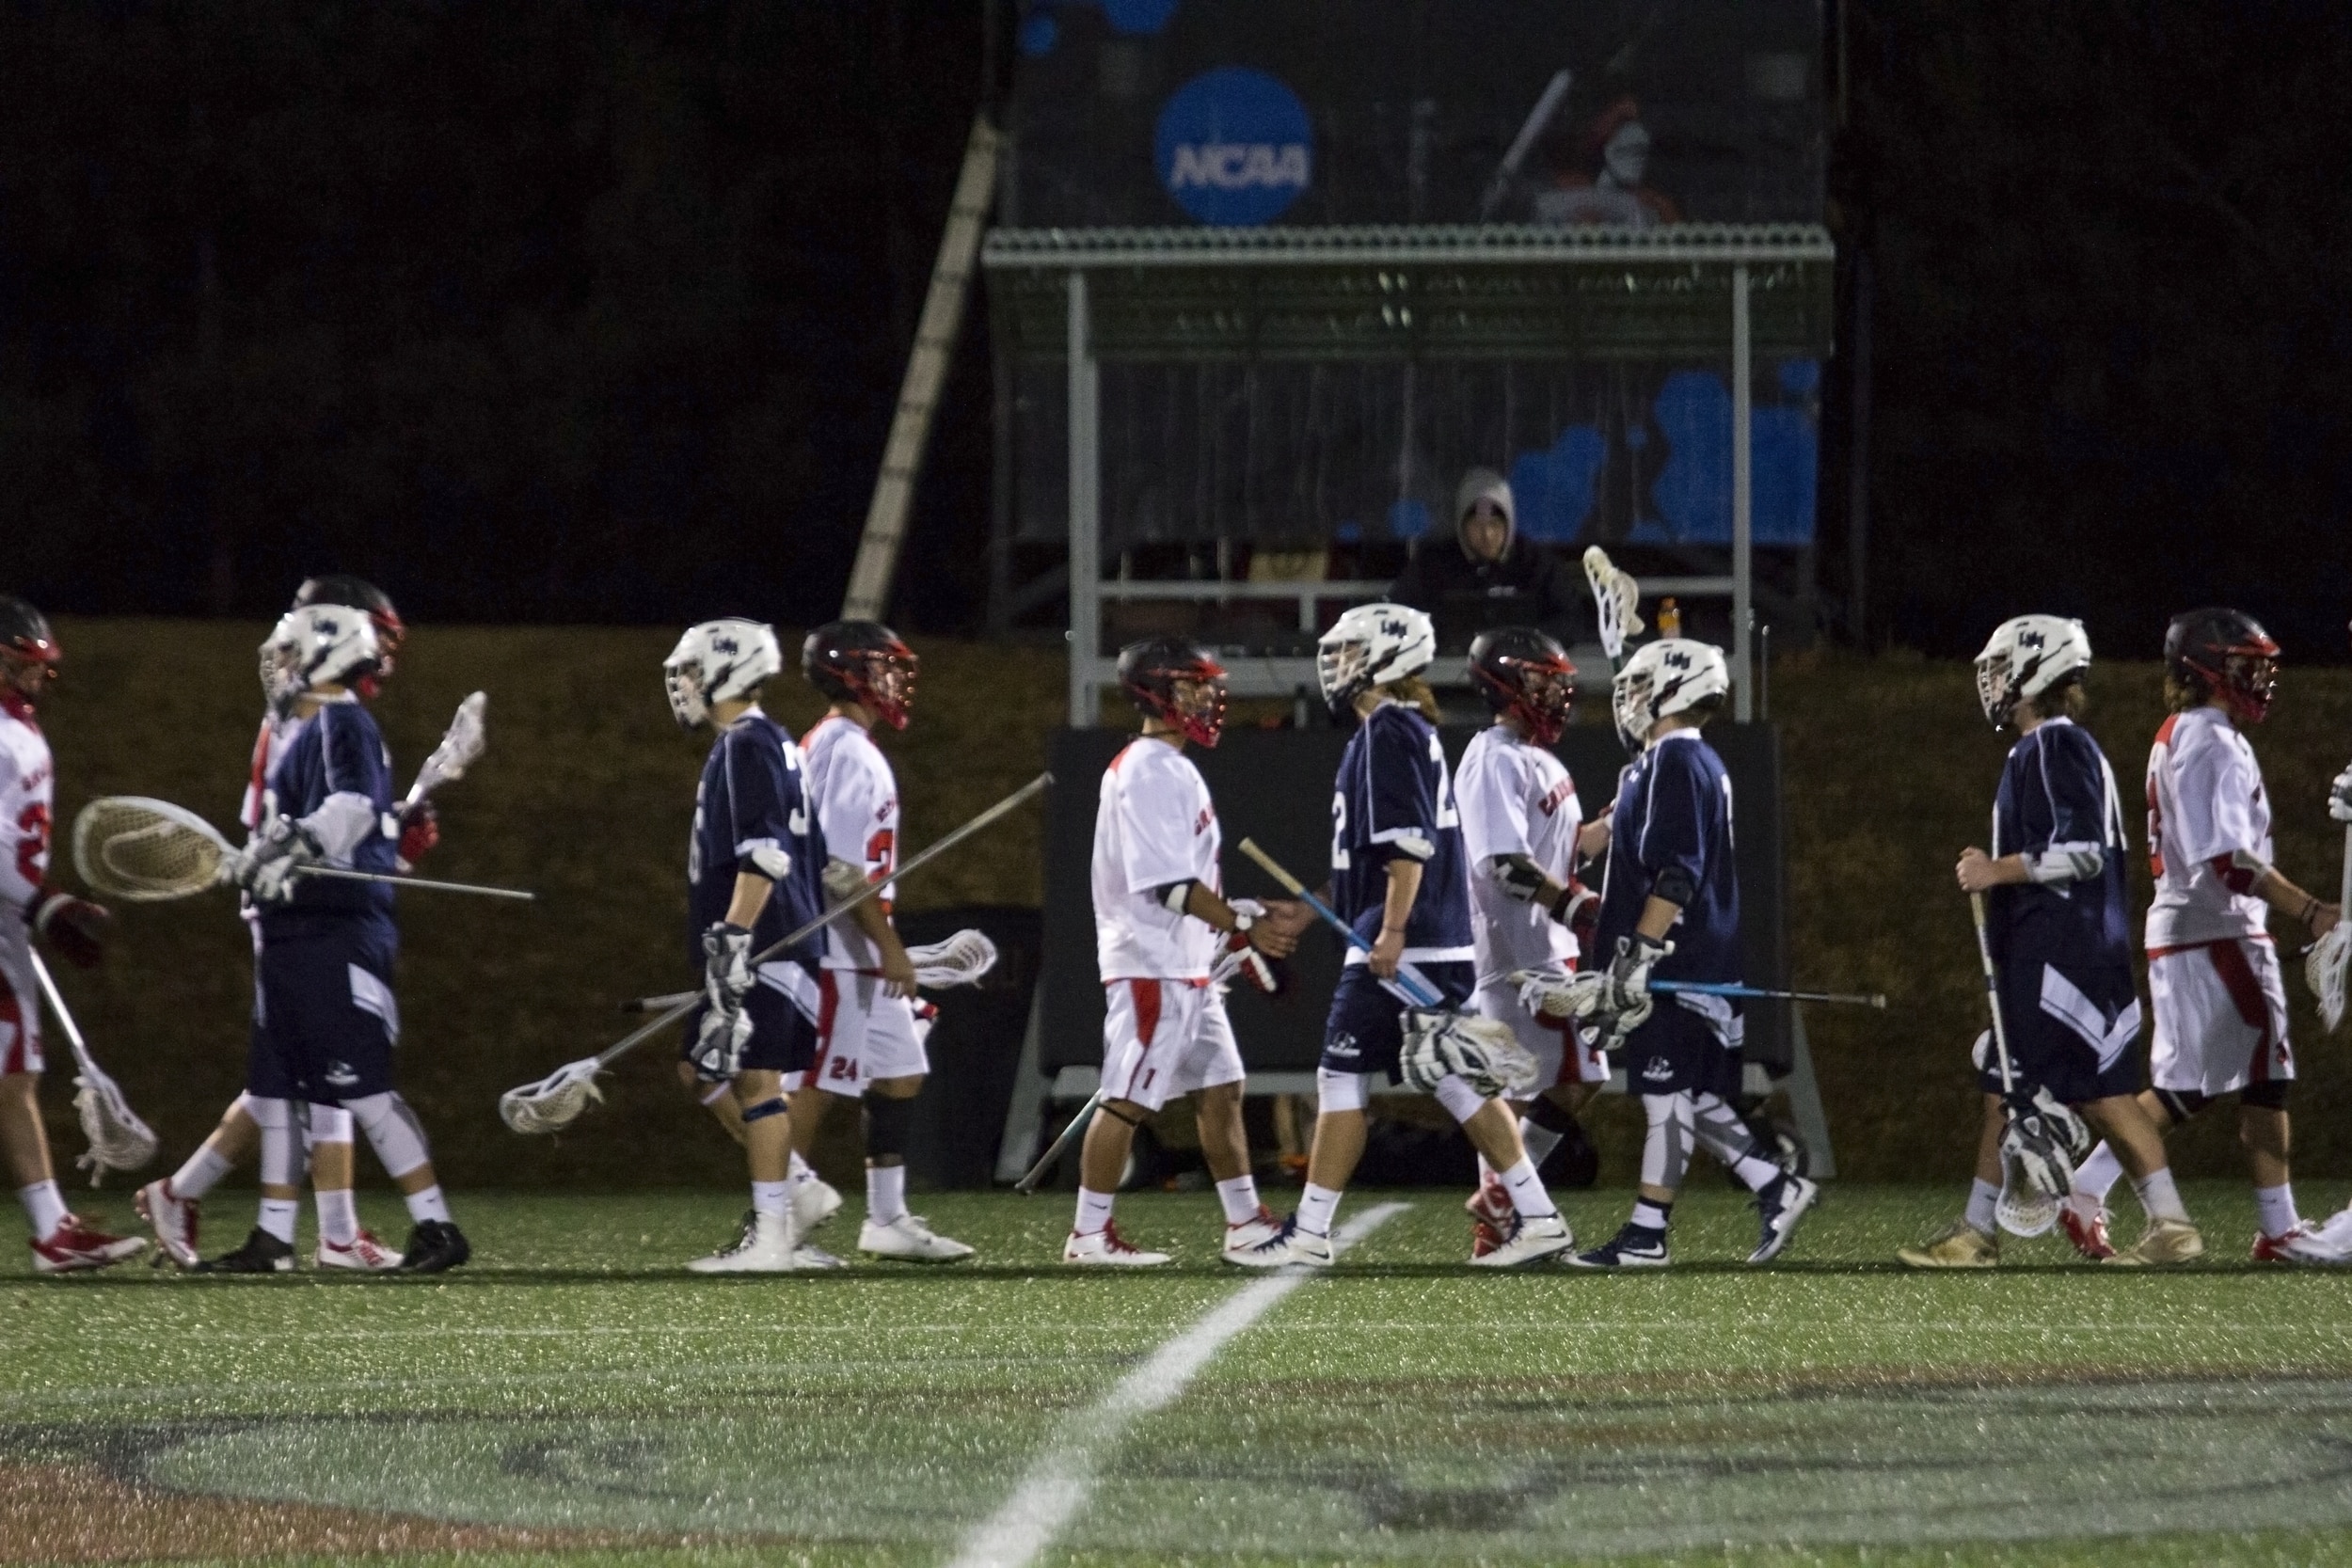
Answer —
(718, 662)
(1663, 678)
(315, 645)
(1372, 645)
(2026, 655)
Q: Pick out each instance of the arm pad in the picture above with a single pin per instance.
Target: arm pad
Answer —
(2065, 863)
(341, 823)
(1675, 886)
(1174, 895)
(2239, 871)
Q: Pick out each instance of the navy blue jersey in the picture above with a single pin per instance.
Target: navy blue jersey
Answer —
(337, 752)
(1396, 796)
(1673, 821)
(751, 800)
(2057, 794)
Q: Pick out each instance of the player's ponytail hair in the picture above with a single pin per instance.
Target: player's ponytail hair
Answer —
(2067, 699)
(1413, 693)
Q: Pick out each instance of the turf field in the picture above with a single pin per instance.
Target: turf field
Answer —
(573, 1397)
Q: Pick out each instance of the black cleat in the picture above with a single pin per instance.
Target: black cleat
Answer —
(262, 1253)
(1634, 1246)
(1779, 1207)
(435, 1246)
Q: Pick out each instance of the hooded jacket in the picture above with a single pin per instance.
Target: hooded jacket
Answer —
(1527, 585)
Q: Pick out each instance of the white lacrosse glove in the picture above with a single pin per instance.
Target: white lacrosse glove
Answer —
(1483, 1053)
(269, 865)
(2340, 796)
(1625, 1002)
(1553, 992)
(725, 1028)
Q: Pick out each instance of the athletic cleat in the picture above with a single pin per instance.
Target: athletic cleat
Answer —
(1532, 1241)
(1250, 1234)
(173, 1219)
(364, 1253)
(1302, 1247)
(2299, 1246)
(814, 1201)
(262, 1253)
(2163, 1243)
(1779, 1207)
(815, 1258)
(1107, 1249)
(1633, 1247)
(911, 1239)
(1491, 1204)
(1958, 1245)
(73, 1246)
(1484, 1238)
(765, 1244)
(433, 1248)
(2084, 1219)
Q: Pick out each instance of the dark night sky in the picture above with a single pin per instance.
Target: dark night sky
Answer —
(562, 312)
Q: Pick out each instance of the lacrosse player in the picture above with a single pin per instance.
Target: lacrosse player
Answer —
(2057, 927)
(1670, 908)
(74, 928)
(752, 870)
(173, 1207)
(870, 1042)
(2213, 971)
(1399, 879)
(1162, 925)
(1525, 832)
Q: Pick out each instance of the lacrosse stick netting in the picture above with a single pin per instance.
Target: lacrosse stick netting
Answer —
(460, 747)
(147, 851)
(1616, 604)
(960, 960)
(2331, 956)
(118, 1140)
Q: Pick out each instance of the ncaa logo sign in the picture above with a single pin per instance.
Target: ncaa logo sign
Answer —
(1235, 147)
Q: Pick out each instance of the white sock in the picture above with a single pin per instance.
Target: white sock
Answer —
(886, 1193)
(1754, 1172)
(1527, 1190)
(2160, 1197)
(45, 1206)
(771, 1197)
(1316, 1206)
(1095, 1212)
(2098, 1174)
(1982, 1196)
(278, 1215)
(2274, 1207)
(1240, 1198)
(1538, 1140)
(427, 1205)
(1649, 1214)
(201, 1173)
(339, 1215)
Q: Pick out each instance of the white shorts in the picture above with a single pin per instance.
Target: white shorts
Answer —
(19, 1013)
(863, 1033)
(1164, 1038)
(1560, 1057)
(2222, 1017)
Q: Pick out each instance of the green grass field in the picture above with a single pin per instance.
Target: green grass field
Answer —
(575, 1397)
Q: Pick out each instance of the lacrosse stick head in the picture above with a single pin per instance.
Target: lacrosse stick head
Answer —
(960, 960)
(146, 851)
(2325, 969)
(555, 1101)
(1483, 1053)
(461, 745)
(1616, 602)
(118, 1140)
(2038, 1154)
(2023, 1209)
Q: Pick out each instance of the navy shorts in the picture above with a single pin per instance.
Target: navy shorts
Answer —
(1678, 1051)
(325, 1022)
(1365, 1031)
(2071, 1030)
(784, 1038)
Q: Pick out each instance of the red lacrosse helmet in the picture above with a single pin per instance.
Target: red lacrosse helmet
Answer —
(2224, 653)
(28, 649)
(1150, 672)
(1522, 672)
(863, 662)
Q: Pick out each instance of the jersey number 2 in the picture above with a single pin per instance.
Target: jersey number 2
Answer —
(32, 843)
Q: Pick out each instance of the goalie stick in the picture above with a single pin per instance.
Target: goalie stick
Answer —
(555, 1101)
(149, 851)
(118, 1140)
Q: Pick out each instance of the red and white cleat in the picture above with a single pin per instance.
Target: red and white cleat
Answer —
(365, 1253)
(2085, 1221)
(74, 1246)
(2300, 1245)
(173, 1219)
(1492, 1218)
(1107, 1249)
(1241, 1240)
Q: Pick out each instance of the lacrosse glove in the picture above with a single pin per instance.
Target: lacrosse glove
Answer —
(1625, 1002)
(725, 1028)
(2340, 796)
(270, 864)
(420, 831)
(75, 926)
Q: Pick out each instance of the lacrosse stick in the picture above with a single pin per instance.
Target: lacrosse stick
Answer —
(2036, 1170)
(146, 851)
(118, 1140)
(1538, 120)
(1409, 986)
(2325, 966)
(461, 745)
(556, 1101)
(1028, 1185)
(1617, 603)
(1557, 980)
(960, 960)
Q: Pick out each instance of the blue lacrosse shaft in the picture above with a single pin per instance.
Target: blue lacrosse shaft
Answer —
(1710, 987)
(1408, 981)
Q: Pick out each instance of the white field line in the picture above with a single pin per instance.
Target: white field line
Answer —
(1061, 1480)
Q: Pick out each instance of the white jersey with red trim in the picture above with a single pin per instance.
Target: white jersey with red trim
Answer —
(1516, 799)
(1155, 826)
(27, 797)
(856, 797)
(2208, 832)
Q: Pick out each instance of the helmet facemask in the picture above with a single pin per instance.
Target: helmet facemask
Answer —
(1630, 707)
(682, 683)
(1343, 671)
(883, 682)
(1542, 695)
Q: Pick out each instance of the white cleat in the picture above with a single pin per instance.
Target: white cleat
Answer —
(364, 1253)
(1532, 1242)
(1243, 1241)
(810, 1258)
(1107, 1249)
(814, 1201)
(173, 1219)
(911, 1239)
(766, 1244)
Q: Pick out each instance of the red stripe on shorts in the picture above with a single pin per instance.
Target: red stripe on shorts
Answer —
(2246, 993)
(1147, 997)
(827, 1003)
(17, 1057)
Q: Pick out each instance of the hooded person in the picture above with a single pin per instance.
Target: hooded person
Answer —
(1489, 576)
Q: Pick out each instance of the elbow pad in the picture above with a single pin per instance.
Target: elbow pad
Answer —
(764, 856)
(1676, 885)
(341, 824)
(1174, 896)
(1413, 845)
(2065, 863)
(2239, 871)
